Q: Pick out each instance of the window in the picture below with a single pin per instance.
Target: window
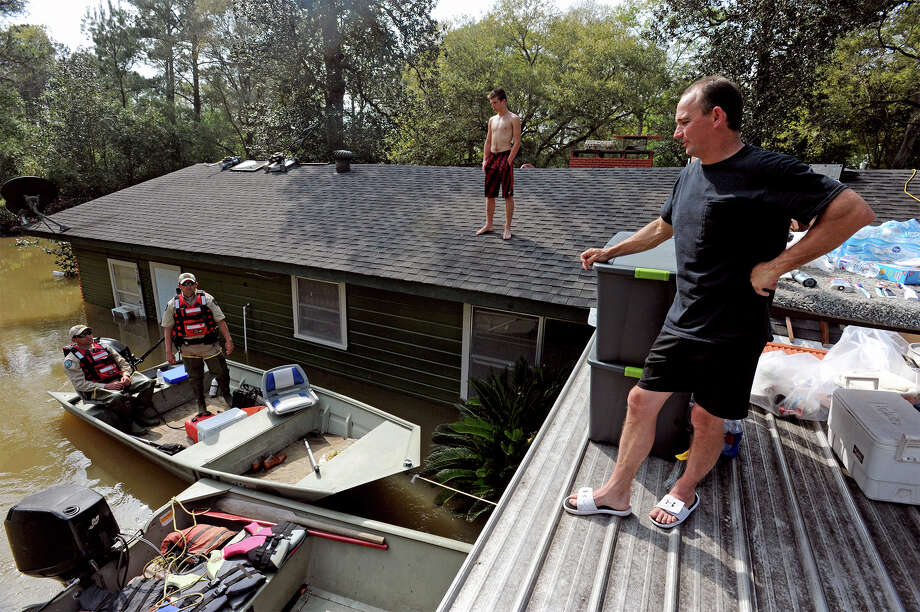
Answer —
(126, 285)
(319, 311)
(494, 339)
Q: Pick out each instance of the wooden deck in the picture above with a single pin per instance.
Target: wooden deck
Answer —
(781, 527)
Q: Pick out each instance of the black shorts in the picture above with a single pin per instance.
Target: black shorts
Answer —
(499, 173)
(718, 374)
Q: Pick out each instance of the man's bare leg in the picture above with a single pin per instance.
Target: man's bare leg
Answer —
(635, 443)
(490, 212)
(708, 438)
(509, 212)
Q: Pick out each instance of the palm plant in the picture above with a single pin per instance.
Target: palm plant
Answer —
(479, 453)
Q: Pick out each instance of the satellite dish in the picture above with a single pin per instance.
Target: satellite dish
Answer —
(26, 195)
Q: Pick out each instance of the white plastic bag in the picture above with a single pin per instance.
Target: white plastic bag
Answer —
(802, 385)
(792, 385)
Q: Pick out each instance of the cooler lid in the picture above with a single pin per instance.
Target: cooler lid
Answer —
(659, 263)
(884, 415)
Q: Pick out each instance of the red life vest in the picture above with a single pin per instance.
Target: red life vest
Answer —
(97, 363)
(193, 320)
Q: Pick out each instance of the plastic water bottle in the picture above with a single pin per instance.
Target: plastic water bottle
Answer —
(862, 268)
(733, 432)
(213, 391)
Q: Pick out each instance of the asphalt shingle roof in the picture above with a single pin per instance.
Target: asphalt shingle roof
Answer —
(407, 223)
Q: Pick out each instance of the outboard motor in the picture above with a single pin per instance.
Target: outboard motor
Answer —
(63, 532)
(121, 349)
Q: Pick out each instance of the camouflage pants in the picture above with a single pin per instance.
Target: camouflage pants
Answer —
(129, 403)
(195, 360)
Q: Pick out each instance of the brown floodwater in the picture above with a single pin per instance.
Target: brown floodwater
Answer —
(42, 445)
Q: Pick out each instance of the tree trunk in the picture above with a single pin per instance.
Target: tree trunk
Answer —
(170, 76)
(334, 60)
(905, 154)
(196, 88)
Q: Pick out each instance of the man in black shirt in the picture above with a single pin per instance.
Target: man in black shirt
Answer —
(729, 214)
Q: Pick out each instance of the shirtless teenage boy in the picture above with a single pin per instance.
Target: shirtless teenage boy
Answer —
(503, 139)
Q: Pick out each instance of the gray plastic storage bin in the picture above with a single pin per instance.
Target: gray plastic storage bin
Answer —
(634, 293)
(610, 386)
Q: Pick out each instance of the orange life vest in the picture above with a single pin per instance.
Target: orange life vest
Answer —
(97, 362)
(194, 320)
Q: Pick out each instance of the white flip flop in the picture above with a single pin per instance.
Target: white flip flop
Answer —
(584, 505)
(677, 508)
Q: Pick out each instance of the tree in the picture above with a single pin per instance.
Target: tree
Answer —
(588, 73)
(116, 43)
(771, 48)
(897, 33)
(11, 7)
(864, 105)
(27, 59)
(480, 453)
(311, 77)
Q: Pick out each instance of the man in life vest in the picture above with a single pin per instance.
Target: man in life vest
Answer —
(193, 323)
(99, 374)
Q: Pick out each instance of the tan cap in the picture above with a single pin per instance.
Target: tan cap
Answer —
(76, 330)
(187, 276)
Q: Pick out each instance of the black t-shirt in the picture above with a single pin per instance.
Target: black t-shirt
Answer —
(728, 217)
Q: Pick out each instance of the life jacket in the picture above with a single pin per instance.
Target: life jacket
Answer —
(97, 363)
(199, 539)
(234, 583)
(193, 319)
(268, 547)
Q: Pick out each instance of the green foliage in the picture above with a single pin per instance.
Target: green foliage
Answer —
(480, 453)
(63, 257)
(587, 73)
(771, 48)
(62, 251)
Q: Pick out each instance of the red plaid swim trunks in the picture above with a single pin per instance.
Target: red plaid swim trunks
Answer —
(499, 173)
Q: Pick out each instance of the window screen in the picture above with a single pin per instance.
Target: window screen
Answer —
(319, 306)
(498, 339)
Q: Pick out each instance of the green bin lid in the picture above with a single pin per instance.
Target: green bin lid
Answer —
(659, 263)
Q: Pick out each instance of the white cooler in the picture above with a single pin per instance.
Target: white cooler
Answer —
(876, 434)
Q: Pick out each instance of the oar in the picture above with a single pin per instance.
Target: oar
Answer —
(310, 530)
(246, 508)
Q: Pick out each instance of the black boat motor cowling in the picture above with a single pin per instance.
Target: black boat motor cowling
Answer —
(63, 532)
(120, 348)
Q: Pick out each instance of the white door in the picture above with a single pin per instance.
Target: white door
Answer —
(126, 285)
(165, 280)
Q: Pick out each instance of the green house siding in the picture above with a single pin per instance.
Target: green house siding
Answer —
(397, 340)
(96, 282)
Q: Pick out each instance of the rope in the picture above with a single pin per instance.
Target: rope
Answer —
(913, 174)
(453, 489)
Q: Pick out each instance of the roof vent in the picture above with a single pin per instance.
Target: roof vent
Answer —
(228, 162)
(342, 160)
(278, 163)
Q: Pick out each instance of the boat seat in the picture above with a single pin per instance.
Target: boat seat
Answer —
(286, 389)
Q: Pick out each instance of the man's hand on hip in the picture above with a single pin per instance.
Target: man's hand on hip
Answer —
(763, 278)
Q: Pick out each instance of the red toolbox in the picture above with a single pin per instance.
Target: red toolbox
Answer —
(191, 426)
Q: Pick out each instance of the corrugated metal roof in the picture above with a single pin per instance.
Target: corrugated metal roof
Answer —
(781, 527)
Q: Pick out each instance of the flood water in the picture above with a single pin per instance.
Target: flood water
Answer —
(42, 445)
